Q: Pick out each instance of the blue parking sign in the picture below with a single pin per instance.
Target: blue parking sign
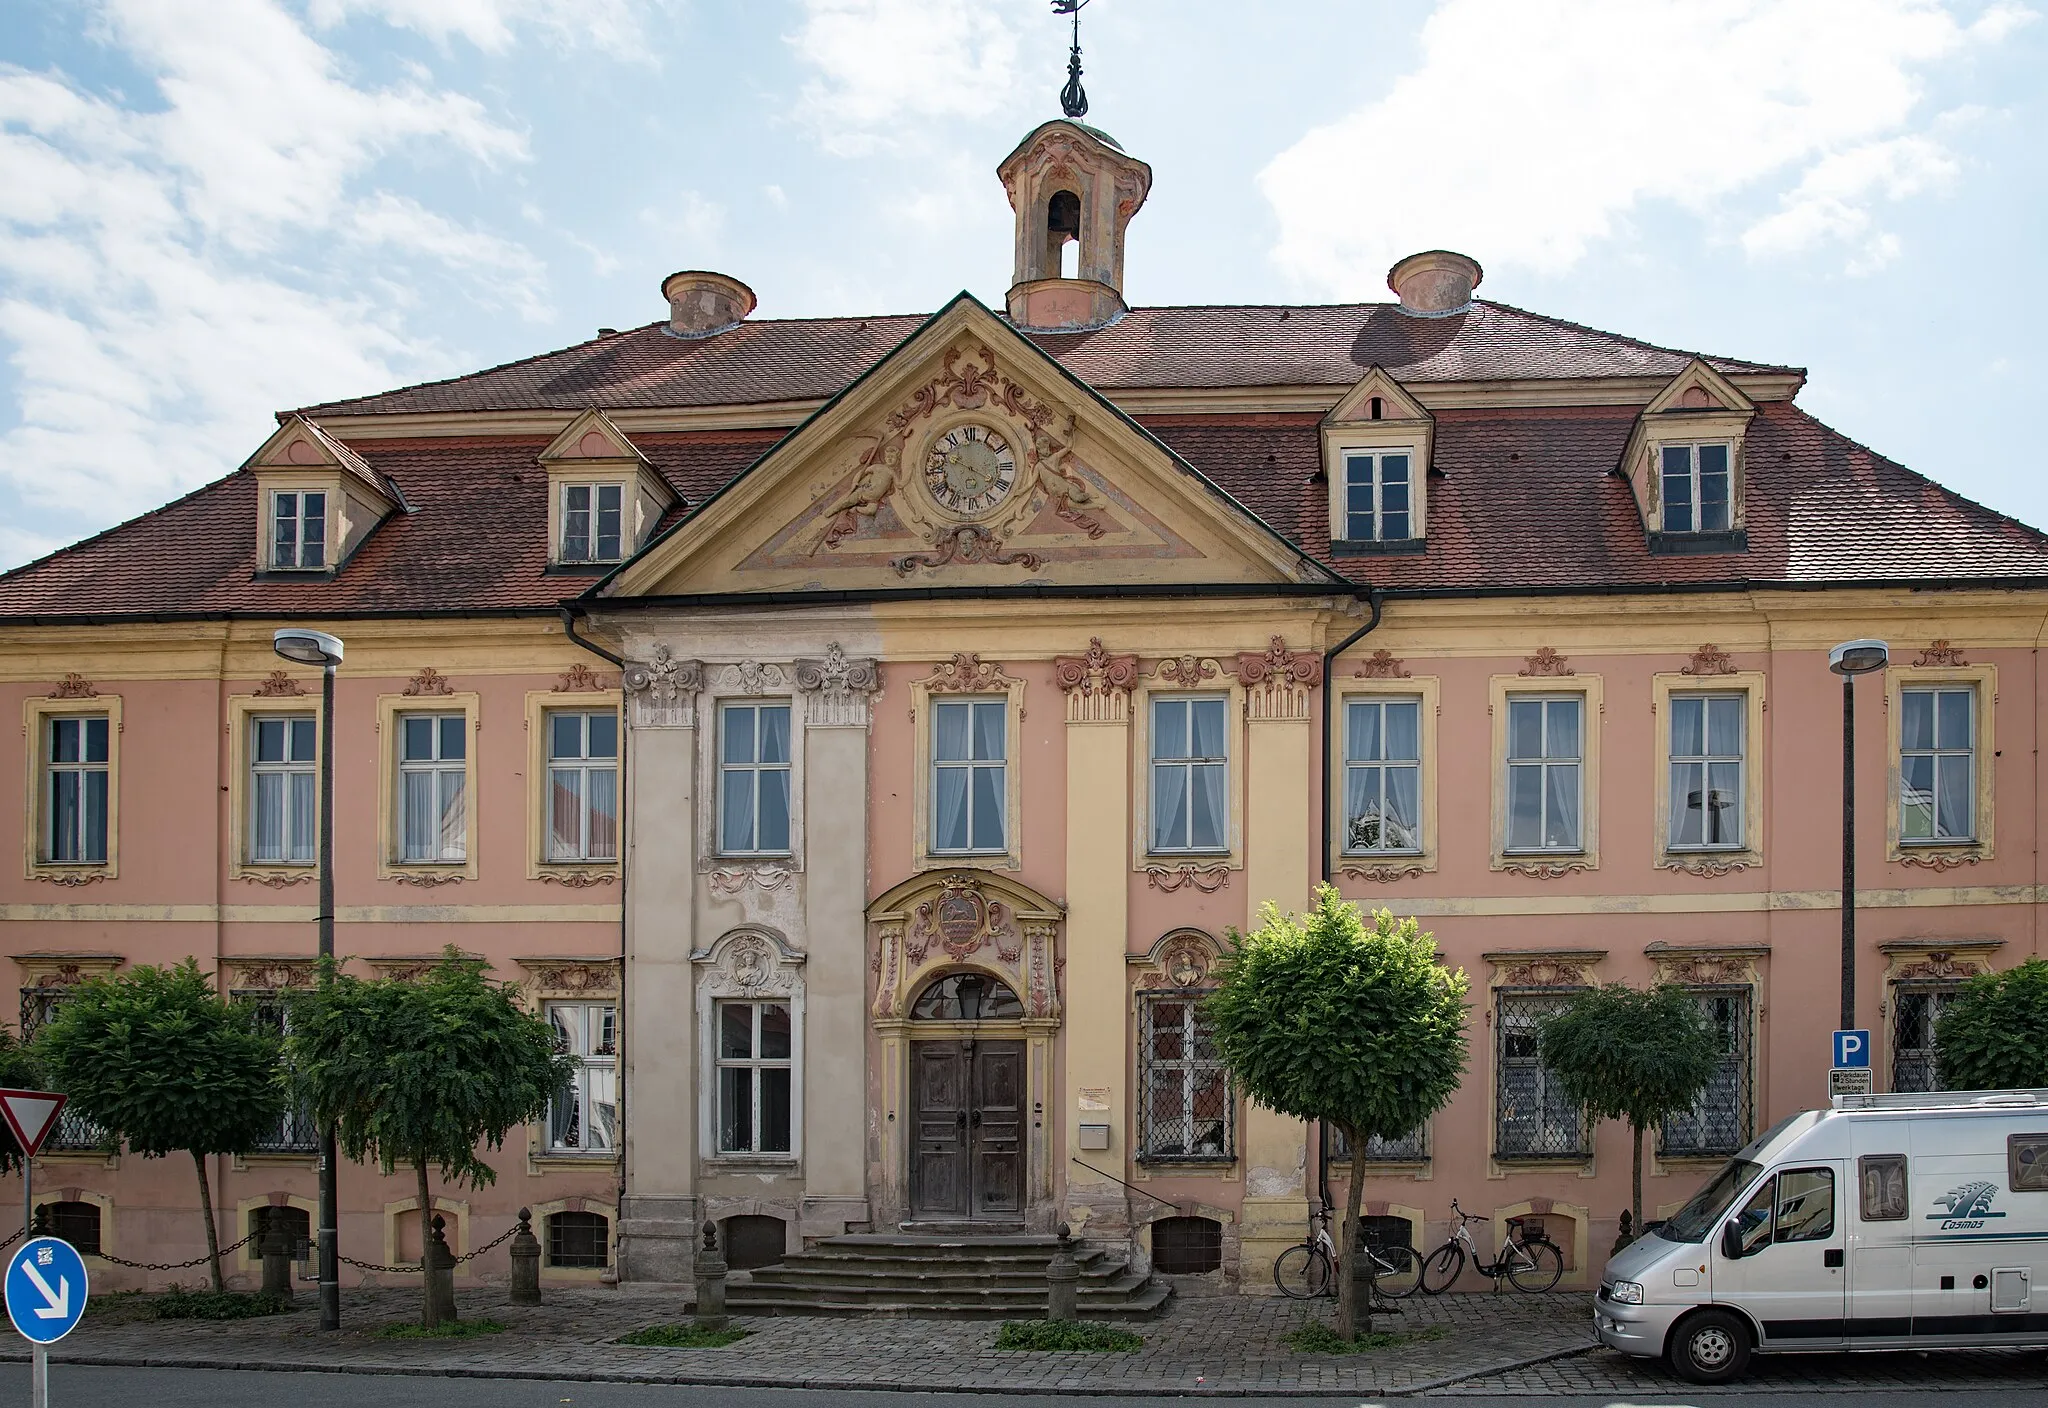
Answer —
(46, 1289)
(1852, 1051)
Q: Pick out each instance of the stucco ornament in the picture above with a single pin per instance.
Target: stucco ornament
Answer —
(1206, 878)
(74, 686)
(1382, 874)
(955, 919)
(272, 975)
(1546, 662)
(1277, 680)
(1709, 659)
(1381, 665)
(662, 688)
(428, 681)
(752, 677)
(967, 673)
(279, 685)
(1097, 684)
(1940, 652)
(579, 677)
(1187, 671)
(1181, 961)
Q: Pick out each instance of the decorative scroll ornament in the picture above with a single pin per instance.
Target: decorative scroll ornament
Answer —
(1938, 861)
(1707, 867)
(1546, 661)
(1187, 671)
(1381, 874)
(427, 879)
(273, 975)
(578, 979)
(279, 685)
(1709, 659)
(662, 688)
(1277, 680)
(1183, 962)
(1941, 965)
(966, 673)
(279, 881)
(1543, 972)
(577, 879)
(1705, 972)
(752, 677)
(1381, 666)
(836, 674)
(730, 882)
(1546, 870)
(580, 676)
(1097, 684)
(429, 681)
(74, 686)
(1940, 652)
(969, 542)
(69, 877)
(1206, 878)
(963, 921)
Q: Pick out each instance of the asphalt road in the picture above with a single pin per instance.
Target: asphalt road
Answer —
(73, 1386)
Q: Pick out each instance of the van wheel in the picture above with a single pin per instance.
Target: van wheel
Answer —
(1711, 1347)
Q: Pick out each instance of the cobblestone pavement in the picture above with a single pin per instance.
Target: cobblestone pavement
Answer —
(1602, 1371)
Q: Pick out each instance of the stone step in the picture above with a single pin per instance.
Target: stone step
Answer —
(1090, 1263)
(964, 1279)
(1139, 1304)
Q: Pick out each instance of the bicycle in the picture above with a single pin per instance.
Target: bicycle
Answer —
(1528, 1263)
(1309, 1269)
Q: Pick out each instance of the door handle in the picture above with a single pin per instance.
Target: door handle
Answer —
(1831, 1257)
(961, 1119)
(975, 1119)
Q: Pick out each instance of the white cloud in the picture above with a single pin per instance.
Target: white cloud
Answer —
(611, 25)
(885, 64)
(1530, 130)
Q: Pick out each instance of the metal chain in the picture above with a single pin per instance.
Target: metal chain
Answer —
(373, 1266)
(509, 1231)
(9, 1240)
(414, 1268)
(171, 1265)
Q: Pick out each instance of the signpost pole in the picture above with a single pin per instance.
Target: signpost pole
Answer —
(39, 1378)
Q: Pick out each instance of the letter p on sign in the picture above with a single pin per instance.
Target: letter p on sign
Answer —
(1852, 1050)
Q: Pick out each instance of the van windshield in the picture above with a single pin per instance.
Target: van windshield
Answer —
(1697, 1218)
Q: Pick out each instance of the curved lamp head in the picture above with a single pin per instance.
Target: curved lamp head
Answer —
(307, 647)
(1859, 657)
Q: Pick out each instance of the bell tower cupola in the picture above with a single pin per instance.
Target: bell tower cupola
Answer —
(1073, 190)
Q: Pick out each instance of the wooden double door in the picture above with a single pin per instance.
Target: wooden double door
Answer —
(969, 1119)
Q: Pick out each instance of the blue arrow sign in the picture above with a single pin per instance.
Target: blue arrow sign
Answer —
(46, 1289)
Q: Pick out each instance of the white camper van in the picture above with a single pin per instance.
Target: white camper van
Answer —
(1887, 1222)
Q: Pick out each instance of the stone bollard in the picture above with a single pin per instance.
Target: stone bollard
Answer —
(276, 1247)
(440, 1272)
(710, 1268)
(1625, 1232)
(1062, 1278)
(525, 1262)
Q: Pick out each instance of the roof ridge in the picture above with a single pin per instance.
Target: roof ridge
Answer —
(1636, 341)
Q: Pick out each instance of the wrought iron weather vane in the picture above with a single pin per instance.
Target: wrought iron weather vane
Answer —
(1073, 97)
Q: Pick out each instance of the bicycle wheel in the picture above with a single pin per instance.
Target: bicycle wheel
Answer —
(1440, 1269)
(1399, 1272)
(1540, 1271)
(1302, 1272)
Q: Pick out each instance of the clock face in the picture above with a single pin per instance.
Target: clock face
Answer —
(970, 469)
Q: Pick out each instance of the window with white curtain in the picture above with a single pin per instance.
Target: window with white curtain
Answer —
(284, 789)
(1382, 775)
(583, 785)
(432, 775)
(1706, 771)
(75, 783)
(753, 780)
(970, 776)
(583, 1118)
(1546, 757)
(591, 519)
(1938, 764)
(1190, 773)
(754, 1074)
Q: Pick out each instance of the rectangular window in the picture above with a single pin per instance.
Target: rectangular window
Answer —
(1706, 771)
(1881, 1184)
(1546, 753)
(1410, 1148)
(39, 1005)
(298, 529)
(1915, 1010)
(2026, 1163)
(583, 786)
(591, 518)
(294, 1132)
(1938, 764)
(1376, 496)
(583, 1118)
(1187, 1090)
(970, 775)
(753, 1078)
(75, 782)
(1535, 1119)
(1696, 496)
(432, 774)
(284, 789)
(753, 779)
(1796, 1206)
(1190, 774)
(1719, 1121)
(1382, 775)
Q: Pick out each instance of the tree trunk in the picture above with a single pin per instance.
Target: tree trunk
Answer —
(1636, 1204)
(426, 1241)
(206, 1211)
(1348, 1317)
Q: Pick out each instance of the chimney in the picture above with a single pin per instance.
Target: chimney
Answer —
(1435, 283)
(701, 303)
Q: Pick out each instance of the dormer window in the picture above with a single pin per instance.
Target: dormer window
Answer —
(298, 529)
(1377, 486)
(1696, 488)
(591, 518)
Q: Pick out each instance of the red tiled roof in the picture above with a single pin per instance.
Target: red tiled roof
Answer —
(815, 358)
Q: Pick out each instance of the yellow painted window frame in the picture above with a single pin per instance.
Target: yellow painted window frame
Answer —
(539, 704)
(315, 480)
(241, 709)
(1749, 684)
(568, 473)
(1502, 688)
(36, 713)
(1428, 689)
(390, 707)
(1984, 680)
(922, 857)
(1239, 744)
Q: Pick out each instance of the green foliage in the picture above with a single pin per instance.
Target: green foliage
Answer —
(1066, 1334)
(446, 1330)
(1326, 1018)
(1632, 1054)
(155, 1058)
(1994, 1035)
(19, 1070)
(423, 1072)
(683, 1337)
(177, 1303)
(1314, 1337)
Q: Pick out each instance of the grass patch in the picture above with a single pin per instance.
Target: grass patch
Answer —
(446, 1330)
(177, 1303)
(1314, 1337)
(1065, 1334)
(683, 1337)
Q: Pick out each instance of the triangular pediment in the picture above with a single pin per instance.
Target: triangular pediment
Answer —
(592, 438)
(1699, 388)
(966, 457)
(1356, 406)
(300, 444)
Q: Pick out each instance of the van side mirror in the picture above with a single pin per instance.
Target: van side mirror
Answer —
(1731, 1242)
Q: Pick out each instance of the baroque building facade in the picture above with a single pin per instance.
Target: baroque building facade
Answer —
(861, 737)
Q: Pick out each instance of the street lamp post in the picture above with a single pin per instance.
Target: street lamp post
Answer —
(318, 648)
(1850, 659)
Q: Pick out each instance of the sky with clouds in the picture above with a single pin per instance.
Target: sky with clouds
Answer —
(213, 211)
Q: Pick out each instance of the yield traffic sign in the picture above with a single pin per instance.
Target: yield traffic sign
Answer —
(46, 1289)
(31, 1115)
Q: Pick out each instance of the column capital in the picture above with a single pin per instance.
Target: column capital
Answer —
(837, 688)
(1277, 680)
(1097, 684)
(663, 690)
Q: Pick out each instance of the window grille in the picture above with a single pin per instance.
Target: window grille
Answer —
(1720, 1120)
(298, 1229)
(579, 1239)
(75, 790)
(74, 1131)
(431, 778)
(583, 1118)
(1408, 1149)
(1545, 753)
(295, 1132)
(1937, 764)
(76, 1223)
(1187, 1089)
(591, 518)
(1186, 1246)
(1706, 771)
(970, 775)
(754, 1072)
(1915, 1010)
(1696, 488)
(1190, 774)
(284, 789)
(1534, 1118)
(298, 530)
(1376, 502)
(1382, 1231)
(753, 779)
(1382, 775)
(583, 786)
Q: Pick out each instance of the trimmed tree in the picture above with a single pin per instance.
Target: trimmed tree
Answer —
(19, 1070)
(1994, 1035)
(423, 1072)
(1633, 1054)
(155, 1058)
(1326, 1017)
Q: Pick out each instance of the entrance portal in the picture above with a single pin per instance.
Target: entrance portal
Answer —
(969, 1119)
